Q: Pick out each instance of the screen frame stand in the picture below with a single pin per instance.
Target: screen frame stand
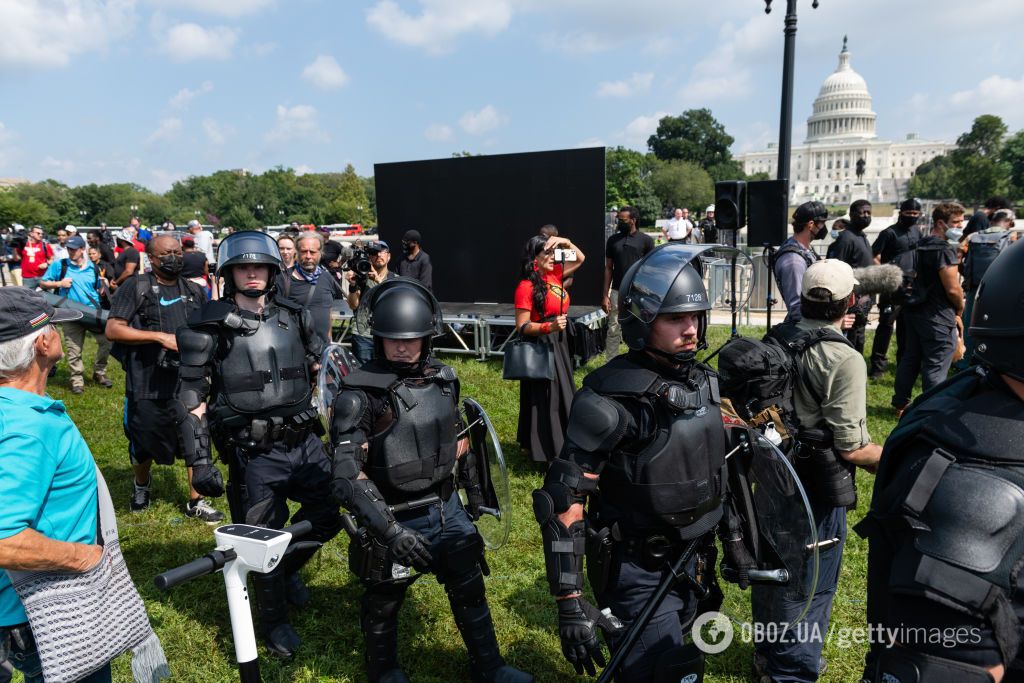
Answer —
(769, 256)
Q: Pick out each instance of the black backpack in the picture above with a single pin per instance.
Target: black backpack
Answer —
(759, 377)
(982, 250)
(146, 289)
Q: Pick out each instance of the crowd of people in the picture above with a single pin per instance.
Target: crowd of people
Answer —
(636, 462)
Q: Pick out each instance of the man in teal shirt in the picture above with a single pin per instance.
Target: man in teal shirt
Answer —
(47, 474)
(77, 278)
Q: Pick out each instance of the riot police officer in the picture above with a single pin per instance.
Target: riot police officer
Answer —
(946, 526)
(394, 434)
(245, 380)
(646, 444)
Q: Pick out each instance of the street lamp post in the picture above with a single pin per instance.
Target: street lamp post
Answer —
(81, 214)
(134, 208)
(786, 117)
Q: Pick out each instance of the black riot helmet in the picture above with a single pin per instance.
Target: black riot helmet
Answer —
(247, 246)
(402, 308)
(997, 323)
(667, 280)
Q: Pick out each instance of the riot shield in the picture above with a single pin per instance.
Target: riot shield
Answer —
(779, 530)
(335, 363)
(488, 475)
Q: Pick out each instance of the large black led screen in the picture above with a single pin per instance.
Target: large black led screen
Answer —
(476, 213)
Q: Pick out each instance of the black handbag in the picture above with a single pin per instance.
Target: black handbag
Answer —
(528, 358)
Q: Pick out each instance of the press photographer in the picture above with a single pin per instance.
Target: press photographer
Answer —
(365, 269)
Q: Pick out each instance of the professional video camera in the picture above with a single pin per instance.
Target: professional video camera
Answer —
(358, 261)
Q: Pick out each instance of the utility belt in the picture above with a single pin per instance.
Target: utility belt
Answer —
(827, 477)
(443, 490)
(260, 435)
(650, 550)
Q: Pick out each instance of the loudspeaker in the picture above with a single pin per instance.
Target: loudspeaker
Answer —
(730, 204)
(767, 212)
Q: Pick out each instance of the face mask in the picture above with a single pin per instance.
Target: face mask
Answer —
(820, 233)
(954, 235)
(834, 233)
(624, 226)
(908, 221)
(171, 264)
(860, 223)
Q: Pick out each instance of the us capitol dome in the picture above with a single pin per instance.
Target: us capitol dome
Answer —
(841, 133)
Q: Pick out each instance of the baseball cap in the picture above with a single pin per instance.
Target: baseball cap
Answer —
(379, 245)
(76, 242)
(72, 230)
(194, 224)
(28, 311)
(809, 211)
(411, 236)
(710, 209)
(832, 275)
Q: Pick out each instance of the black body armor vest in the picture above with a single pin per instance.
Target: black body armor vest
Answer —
(947, 513)
(416, 452)
(261, 367)
(675, 477)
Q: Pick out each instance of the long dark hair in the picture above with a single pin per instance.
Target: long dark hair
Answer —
(533, 248)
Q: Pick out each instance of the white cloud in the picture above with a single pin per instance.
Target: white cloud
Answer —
(184, 97)
(325, 73)
(168, 128)
(480, 122)
(162, 179)
(65, 165)
(259, 49)
(45, 33)
(295, 123)
(224, 8)
(726, 72)
(190, 42)
(634, 85)
(303, 169)
(577, 42)
(438, 132)
(217, 133)
(440, 22)
(641, 128)
(994, 92)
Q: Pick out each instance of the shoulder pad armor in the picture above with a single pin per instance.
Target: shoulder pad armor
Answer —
(195, 346)
(370, 376)
(621, 377)
(596, 423)
(210, 313)
(349, 406)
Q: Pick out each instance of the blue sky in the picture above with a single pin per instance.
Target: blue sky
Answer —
(149, 91)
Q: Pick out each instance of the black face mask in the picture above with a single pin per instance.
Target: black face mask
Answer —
(624, 226)
(407, 247)
(820, 232)
(908, 221)
(171, 264)
(858, 223)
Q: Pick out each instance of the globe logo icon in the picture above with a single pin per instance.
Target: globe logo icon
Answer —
(712, 633)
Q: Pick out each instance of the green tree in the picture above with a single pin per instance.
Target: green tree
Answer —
(980, 172)
(27, 212)
(934, 179)
(985, 138)
(694, 136)
(1013, 155)
(683, 184)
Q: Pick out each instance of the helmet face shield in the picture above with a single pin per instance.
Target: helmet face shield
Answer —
(247, 246)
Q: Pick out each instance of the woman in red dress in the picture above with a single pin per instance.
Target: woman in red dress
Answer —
(542, 305)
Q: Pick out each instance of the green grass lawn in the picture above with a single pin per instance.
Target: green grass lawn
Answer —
(192, 620)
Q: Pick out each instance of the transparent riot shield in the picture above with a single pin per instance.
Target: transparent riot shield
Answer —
(780, 531)
(489, 474)
(335, 363)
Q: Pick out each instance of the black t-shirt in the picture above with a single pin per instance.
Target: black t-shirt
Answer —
(933, 254)
(418, 268)
(164, 309)
(129, 255)
(106, 253)
(895, 240)
(327, 289)
(978, 222)
(851, 248)
(195, 262)
(624, 250)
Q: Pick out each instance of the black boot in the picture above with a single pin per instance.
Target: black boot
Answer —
(297, 593)
(270, 591)
(473, 617)
(378, 616)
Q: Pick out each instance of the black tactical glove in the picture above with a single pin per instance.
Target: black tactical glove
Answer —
(206, 480)
(737, 562)
(578, 622)
(407, 547)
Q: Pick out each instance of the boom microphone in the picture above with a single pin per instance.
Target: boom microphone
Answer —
(878, 279)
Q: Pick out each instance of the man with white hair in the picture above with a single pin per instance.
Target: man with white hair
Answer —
(203, 239)
(311, 285)
(47, 474)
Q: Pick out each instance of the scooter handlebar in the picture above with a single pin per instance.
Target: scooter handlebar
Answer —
(207, 564)
(299, 529)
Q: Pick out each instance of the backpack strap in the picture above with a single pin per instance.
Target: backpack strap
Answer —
(794, 249)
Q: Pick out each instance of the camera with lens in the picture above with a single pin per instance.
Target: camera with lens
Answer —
(168, 360)
(359, 263)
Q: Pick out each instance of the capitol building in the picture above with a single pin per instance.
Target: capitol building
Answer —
(841, 133)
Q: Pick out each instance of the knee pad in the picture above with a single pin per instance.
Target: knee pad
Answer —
(463, 556)
(381, 603)
(466, 589)
(682, 664)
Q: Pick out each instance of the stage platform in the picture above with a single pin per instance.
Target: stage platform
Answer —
(476, 329)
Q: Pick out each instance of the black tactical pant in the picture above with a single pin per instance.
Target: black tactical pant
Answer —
(888, 318)
(261, 483)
